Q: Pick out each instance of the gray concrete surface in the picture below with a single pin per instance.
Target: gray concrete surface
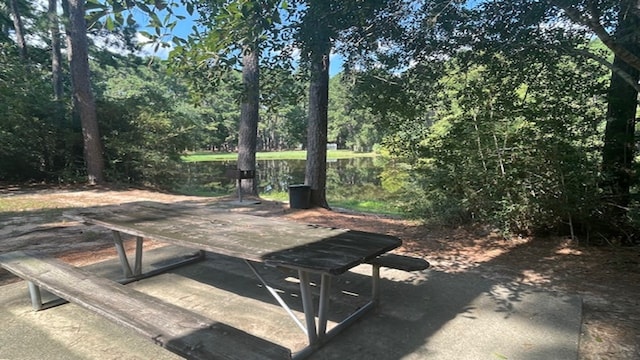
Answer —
(424, 315)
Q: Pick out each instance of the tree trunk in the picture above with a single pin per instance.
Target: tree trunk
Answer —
(619, 138)
(316, 167)
(56, 55)
(19, 28)
(57, 156)
(83, 99)
(248, 132)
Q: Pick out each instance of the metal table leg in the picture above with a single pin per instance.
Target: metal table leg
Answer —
(307, 305)
(122, 254)
(323, 305)
(137, 268)
(36, 297)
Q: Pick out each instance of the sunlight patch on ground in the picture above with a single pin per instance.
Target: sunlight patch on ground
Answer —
(568, 251)
(534, 277)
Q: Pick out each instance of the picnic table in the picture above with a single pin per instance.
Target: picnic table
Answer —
(305, 249)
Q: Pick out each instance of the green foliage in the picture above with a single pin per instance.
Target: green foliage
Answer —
(142, 124)
(283, 120)
(498, 109)
(32, 129)
(224, 31)
(510, 145)
(350, 127)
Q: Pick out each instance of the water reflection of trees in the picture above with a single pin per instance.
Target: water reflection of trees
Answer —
(277, 175)
(343, 175)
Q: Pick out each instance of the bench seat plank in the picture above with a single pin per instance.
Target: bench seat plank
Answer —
(178, 330)
(400, 262)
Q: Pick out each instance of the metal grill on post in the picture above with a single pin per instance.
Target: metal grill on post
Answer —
(240, 175)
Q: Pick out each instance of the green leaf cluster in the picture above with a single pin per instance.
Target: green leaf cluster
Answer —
(148, 119)
(502, 141)
(37, 141)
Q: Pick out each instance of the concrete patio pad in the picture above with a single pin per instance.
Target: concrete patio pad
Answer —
(424, 315)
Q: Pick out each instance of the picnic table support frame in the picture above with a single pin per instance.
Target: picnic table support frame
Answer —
(130, 275)
(316, 332)
(277, 296)
(324, 336)
(35, 293)
(137, 274)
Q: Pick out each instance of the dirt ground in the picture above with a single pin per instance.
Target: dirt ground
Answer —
(607, 278)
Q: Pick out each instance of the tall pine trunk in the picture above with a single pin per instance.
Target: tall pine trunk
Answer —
(57, 157)
(83, 100)
(18, 27)
(56, 55)
(249, 116)
(316, 167)
(317, 29)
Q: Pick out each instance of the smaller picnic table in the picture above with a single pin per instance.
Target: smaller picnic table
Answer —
(307, 249)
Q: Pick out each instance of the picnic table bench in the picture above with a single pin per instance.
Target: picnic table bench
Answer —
(306, 249)
(183, 332)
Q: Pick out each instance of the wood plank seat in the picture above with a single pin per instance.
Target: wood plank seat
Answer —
(399, 262)
(179, 330)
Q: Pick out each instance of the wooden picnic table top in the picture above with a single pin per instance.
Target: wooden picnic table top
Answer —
(274, 242)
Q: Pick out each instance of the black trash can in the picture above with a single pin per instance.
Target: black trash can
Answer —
(299, 196)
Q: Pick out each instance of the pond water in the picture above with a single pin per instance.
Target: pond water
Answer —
(355, 179)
